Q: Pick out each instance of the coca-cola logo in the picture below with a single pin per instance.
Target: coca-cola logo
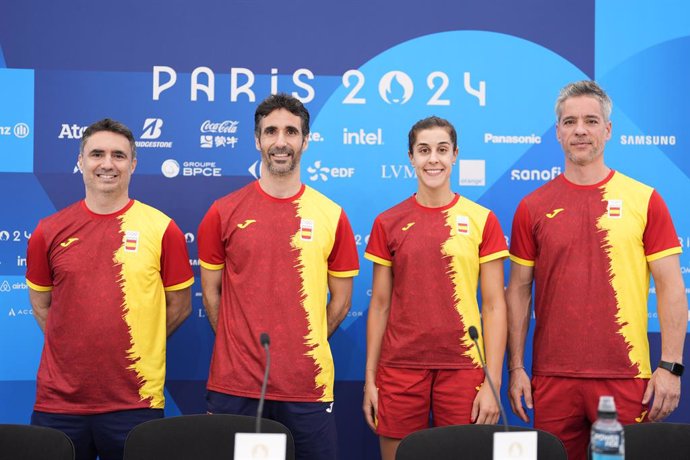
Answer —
(227, 126)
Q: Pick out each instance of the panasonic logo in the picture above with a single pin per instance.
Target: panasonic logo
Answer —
(490, 138)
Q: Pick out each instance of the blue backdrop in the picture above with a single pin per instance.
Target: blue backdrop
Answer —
(186, 78)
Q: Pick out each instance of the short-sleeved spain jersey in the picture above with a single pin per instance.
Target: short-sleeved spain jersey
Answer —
(435, 255)
(590, 247)
(105, 337)
(276, 255)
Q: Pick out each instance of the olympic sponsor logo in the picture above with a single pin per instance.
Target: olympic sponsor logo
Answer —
(472, 172)
(19, 130)
(490, 138)
(539, 175)
(151, 131)
(319, 172)
(6, 286)
(71, 131)
(395, 87)
(398, 171)
(362, 137)
(215, 134)
(15, 312)
(171, 168)
(654, 139)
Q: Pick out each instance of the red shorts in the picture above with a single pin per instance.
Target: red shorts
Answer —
(567, 407)
(408, 396)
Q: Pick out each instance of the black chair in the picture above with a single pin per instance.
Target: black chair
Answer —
(667, 441)
(469, 442)
(27, 442)
(203, 436)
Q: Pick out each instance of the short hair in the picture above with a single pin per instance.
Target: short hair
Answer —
(281, 101)
(112, 126)
(584, 88)
(429, 123)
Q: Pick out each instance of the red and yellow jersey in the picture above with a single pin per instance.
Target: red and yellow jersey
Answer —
(105, 336)
(276, 255)
(435, 255)
(590, 247)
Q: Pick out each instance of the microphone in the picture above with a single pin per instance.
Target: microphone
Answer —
(265, 341)
(475, 336)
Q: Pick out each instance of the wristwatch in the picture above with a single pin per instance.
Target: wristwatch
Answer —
(673, 368)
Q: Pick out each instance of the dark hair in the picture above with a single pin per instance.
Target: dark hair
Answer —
(584, 88)
(281, 101)
(428, 123)
(112, 126)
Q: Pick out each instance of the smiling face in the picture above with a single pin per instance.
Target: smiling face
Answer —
(583, 131)
(432, 157)
(107, 164)
(281, 142)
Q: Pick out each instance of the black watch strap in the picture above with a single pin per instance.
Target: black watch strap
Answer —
(673, 368)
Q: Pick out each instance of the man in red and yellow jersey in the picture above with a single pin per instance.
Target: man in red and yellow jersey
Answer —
(589, 240)
(109, 281)
(270, 252)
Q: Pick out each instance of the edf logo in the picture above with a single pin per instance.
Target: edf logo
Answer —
(318, 172)
(152, 128)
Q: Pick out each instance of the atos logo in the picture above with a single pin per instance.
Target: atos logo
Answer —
(152, 128)
(73, 131)
(318, 172)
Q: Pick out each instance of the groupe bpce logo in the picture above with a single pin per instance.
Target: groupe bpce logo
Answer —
(170, 168)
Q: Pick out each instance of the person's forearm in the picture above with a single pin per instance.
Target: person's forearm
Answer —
(376, 326)
(495, 333)
(518, 299)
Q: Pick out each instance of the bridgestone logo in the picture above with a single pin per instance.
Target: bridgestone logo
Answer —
(154, 144)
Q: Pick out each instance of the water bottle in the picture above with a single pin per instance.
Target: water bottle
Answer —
(607, 441)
